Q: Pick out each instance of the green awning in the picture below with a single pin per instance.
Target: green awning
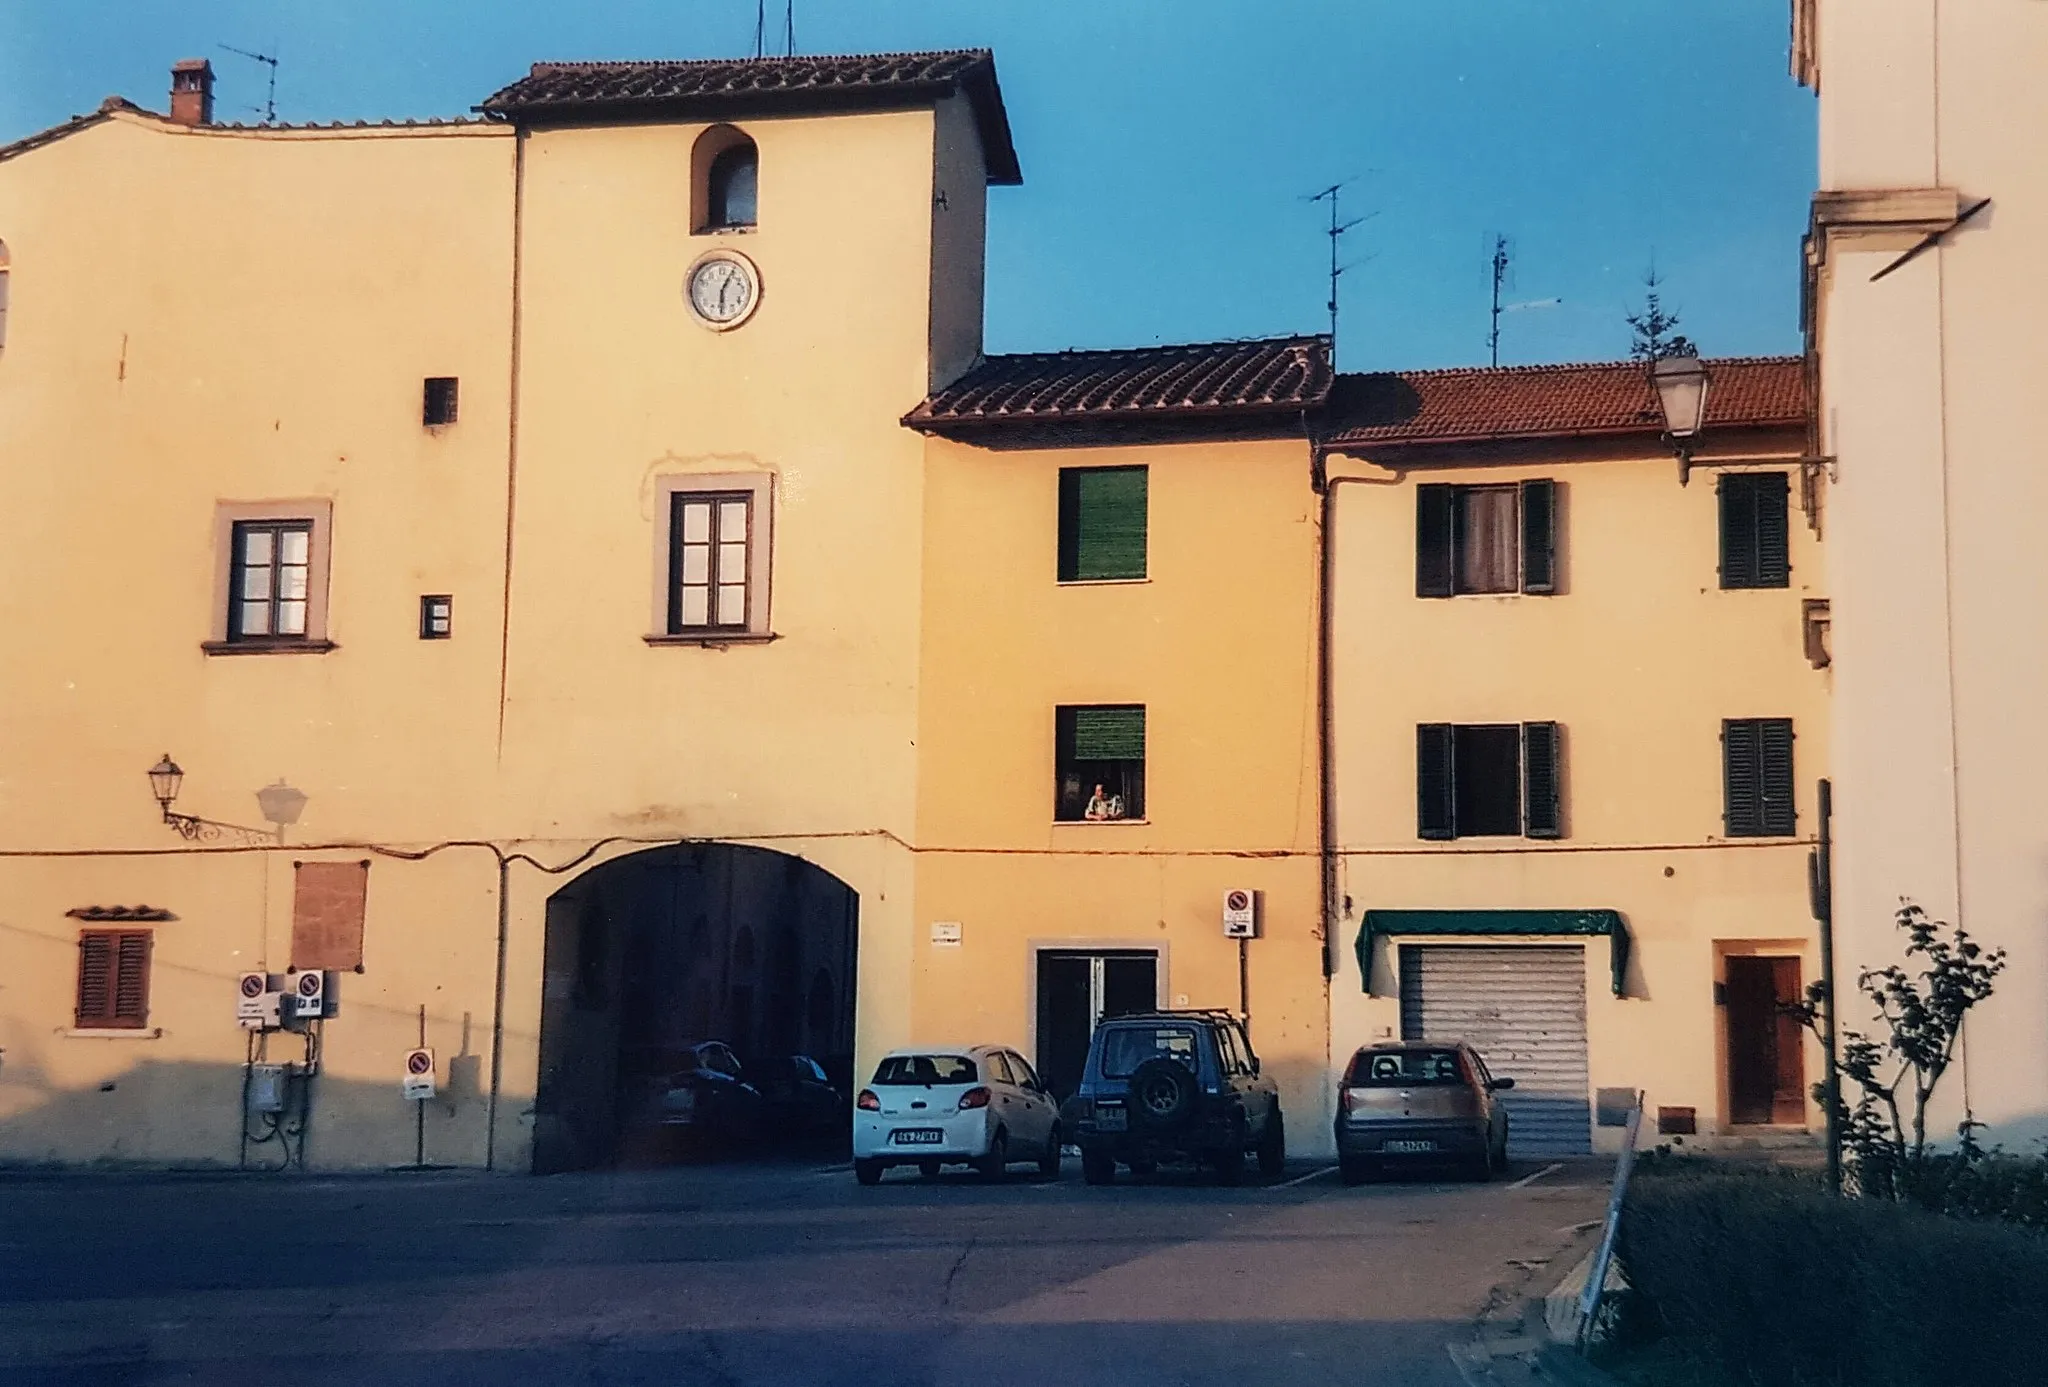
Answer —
(1495, 924)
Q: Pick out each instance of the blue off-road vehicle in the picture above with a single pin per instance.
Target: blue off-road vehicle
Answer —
(1175, 1085)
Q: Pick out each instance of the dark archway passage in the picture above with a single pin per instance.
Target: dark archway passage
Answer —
(652, 955)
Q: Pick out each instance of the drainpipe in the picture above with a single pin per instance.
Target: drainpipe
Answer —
(1326, 760)
(1821, 881)
(497, 1015)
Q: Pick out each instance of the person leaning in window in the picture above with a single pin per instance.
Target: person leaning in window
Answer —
(1102, 806)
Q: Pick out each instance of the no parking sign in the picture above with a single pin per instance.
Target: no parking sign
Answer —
(419, 1074)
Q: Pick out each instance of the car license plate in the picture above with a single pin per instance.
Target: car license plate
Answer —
(1409, 1148)
(1109, 1119)
(918, 1136)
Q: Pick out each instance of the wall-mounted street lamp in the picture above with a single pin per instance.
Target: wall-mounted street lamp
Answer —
(1681, 384)
(280, 803)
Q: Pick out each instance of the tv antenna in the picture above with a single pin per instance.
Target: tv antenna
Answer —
(761, 28)
(270, 60)
(1338, 227)
(1503, 259)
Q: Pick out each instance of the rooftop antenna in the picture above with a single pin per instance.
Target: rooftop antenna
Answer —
(269, 101)
(1336, 232)
(789, 28)
(760, 28)
(1503, 257)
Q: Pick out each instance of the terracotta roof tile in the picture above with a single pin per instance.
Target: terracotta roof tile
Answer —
(1275, 375)
(720, 87)
(1507, 402)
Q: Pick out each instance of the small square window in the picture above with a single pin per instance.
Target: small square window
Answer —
(439, 407)
(1503, 780)
(437, 617)
(1486, 539)
(1100, 764)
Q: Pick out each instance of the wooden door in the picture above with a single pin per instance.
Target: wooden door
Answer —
(1766, 1053)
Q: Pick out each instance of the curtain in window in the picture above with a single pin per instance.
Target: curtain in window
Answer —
(1488, 560)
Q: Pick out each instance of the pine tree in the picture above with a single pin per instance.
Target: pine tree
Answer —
(1654, 329)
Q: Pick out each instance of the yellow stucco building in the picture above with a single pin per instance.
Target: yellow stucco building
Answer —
(593, 542)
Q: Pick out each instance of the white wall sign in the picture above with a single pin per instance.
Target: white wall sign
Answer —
(946, 933)
(1241, 914)
(419, 1074)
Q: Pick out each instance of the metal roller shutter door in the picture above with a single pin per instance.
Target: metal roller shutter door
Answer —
(1523, 1009)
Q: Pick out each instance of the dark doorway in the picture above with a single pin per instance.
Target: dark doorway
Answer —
(1766, 1058)
(1075, 990)
(651, 956)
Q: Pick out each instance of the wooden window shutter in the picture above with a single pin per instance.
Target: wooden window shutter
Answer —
(1435, 559)
(1738, 531)
(95, 979)
(1773, 554)
(1109, 734)
(1539, 536)
(1755, 534)
(1102, 523)
(1542, 789)
(1435, 814)
(1776, 807)
(113, 979)
(1741, 776)
(131, 979)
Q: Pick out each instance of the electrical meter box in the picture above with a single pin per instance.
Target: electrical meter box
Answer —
(266, 1087)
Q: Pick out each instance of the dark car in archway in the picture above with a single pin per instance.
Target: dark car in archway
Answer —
(702, 1103)
(798, 1102)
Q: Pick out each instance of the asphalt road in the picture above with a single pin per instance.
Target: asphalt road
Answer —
(763, 1277)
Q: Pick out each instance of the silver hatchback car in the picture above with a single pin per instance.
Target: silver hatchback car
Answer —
(1420, 1103)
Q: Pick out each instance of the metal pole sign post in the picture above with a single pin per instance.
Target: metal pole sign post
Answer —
(1596, 1280)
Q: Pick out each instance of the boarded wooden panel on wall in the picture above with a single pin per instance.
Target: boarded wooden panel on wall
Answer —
(327, 915)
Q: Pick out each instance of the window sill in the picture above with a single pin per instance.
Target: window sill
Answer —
(1097, 823)
(1103, 582)
(747, 229)
(268, 647)
(112, 1032)
(717, 642)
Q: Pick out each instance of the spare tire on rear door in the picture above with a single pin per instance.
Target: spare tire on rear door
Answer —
(1162, 1096)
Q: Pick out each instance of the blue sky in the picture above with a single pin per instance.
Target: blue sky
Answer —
(1167, 144)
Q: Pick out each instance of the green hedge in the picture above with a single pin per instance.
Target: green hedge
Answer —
(2010, 1188)
(1775, 1282)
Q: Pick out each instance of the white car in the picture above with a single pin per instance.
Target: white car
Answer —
(978, 1105)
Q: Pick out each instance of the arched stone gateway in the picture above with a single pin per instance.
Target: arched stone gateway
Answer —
(652, 953)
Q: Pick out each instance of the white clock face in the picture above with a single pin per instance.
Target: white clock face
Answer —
(722, 290)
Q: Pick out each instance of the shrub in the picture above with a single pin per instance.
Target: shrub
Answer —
(1779, 1284)
(2010, 1188)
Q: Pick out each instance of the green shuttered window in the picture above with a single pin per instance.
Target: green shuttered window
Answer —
(1756, 767)
(1100, 763)
(1486, 539)
(1499, 780)
(1102, 523)
(1755, 542)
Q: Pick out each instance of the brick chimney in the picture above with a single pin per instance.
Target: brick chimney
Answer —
(192, 91)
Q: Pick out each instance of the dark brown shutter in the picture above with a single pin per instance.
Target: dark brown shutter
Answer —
(131, 979)
(1435, 817)
(1773, 556)
(1542, 799)
(95, 979)
(1754, 530)
(1738, 531)
(1776, 809)
(1539, 536)
(1741, 777)
(1434, 560)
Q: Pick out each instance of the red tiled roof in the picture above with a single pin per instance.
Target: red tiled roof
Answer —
(1479, 403)
(1283, 375)
(721, 87)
